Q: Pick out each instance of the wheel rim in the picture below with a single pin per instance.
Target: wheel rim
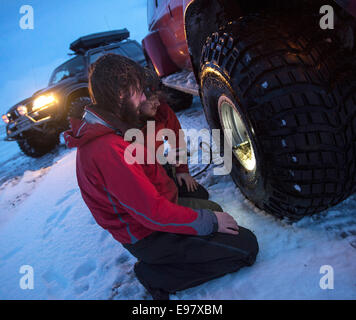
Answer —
(240, 140)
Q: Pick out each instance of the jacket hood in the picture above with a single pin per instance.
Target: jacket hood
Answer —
(85, 130)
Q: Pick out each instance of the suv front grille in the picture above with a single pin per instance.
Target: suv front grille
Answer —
(13, 115)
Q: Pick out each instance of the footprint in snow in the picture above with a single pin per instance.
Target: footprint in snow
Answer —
(63, 214)
(80, 273)
(84, 269)
(67, 195)
(125, 285)
(55, 282)
(54, 220)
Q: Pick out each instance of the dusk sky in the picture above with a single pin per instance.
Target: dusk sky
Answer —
(29, 56)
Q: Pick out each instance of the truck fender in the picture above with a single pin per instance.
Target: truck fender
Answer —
(77, 90)
(156, 52)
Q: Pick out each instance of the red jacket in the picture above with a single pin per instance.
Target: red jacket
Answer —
(130, 201)
(166, 119)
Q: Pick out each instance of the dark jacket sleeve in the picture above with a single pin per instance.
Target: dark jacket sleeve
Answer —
(131, 189)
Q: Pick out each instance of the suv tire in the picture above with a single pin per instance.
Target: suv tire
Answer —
(277, 84)
(36, 144)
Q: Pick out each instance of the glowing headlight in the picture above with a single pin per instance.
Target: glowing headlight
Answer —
(22, 110)
(43, 102)
(5, 118)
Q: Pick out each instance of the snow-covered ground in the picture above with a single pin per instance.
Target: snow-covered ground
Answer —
(44, 223)
(184, 81)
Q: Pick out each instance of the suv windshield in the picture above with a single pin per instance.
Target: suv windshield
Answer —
(67, 70)
(133, 51)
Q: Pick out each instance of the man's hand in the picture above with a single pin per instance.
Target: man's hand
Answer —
(226, 223)
(192, 185)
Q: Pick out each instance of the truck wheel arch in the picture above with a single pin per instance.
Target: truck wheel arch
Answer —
(156, 52)
(219, 13)
(79, 92)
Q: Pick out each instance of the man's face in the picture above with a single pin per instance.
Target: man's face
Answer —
(131, 112)
(148, 110)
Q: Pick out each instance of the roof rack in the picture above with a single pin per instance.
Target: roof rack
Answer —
(83, 44)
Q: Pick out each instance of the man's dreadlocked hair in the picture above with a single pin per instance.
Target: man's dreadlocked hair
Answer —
(113, 75)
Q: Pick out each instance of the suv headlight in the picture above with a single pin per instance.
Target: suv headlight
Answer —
(5, 118)
(22, 110)
(43, 102)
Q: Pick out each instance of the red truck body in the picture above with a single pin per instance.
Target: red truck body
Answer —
(166, 44)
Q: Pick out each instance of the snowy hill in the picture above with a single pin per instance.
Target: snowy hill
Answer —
(44, 223)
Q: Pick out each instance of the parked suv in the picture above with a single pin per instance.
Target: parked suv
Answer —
(281, 76)
(35, 123)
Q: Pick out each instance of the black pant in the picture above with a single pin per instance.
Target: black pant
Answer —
(174, 262)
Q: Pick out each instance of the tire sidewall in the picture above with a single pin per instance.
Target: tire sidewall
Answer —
(213, 86)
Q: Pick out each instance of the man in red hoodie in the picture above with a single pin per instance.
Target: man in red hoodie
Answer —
(177, 247)
(164, 118)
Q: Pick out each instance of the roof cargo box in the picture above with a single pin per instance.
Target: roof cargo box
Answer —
(94, 40)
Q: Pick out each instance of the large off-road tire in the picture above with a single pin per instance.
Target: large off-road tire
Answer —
(293, 135)
(36, 144)
(342, 61)
(347, 87)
